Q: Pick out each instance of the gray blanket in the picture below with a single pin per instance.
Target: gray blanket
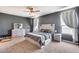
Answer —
(42, 36)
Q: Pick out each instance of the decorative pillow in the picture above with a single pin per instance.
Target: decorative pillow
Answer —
(45, 30)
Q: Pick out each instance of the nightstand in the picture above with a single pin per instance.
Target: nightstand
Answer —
(57, 37)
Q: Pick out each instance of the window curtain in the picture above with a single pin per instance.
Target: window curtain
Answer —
(31, 25)
(35, 24)
(71, 20)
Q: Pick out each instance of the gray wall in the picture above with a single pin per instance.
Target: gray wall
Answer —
(77, 10)
(53, 18)
(6, 22)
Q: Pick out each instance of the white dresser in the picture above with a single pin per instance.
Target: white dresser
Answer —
(18, 32)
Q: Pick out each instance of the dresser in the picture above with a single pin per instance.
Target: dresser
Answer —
(18, 32)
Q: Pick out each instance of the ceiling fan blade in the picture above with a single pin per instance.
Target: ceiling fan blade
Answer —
(37, 11)
(33, 11)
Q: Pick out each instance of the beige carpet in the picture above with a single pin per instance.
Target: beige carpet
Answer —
(59, 47)
(26, 46)
(22, 47)
(53, 47)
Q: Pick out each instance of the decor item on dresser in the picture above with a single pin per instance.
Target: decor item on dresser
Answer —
(18, 30)
(17, 25)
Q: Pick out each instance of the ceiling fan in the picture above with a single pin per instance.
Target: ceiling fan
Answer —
(32, 9)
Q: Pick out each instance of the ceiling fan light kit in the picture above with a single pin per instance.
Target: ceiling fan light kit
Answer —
(32, 11)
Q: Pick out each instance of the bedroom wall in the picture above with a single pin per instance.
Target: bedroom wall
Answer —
(77, 10)
(6, 22)
(53, 18)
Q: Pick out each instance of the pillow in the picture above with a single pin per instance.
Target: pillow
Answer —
(45, 30)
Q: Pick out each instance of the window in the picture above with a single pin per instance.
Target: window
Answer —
(65, 28)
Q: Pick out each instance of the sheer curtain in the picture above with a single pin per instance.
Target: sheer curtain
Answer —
(71, 20)
(36, 24)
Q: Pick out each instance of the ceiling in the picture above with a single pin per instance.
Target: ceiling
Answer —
(21, 10)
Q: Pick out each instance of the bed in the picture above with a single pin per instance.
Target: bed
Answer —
(40, 37)
(44, 35)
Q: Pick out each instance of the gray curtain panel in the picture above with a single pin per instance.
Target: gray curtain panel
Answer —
(70, 18)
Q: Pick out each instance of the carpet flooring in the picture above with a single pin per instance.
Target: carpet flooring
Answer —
(22, 47)
(26, 46)
(59, 47)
